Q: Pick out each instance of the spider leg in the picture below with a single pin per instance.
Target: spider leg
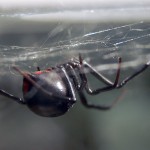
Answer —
(73, 97)
(108, 82)
(102, 107)
(95, 106)
(75, 79)
(110, 85)
(95, 73)
(6, 94)
(72, 74)
(70, 66)
(127, 79)
(80, 66)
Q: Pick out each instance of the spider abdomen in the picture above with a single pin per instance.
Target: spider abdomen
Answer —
(41, 103)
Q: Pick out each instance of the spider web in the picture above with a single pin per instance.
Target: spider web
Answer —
(95, 42)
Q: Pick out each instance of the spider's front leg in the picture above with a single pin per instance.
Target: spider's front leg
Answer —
(100, 77)
(109, 84)
(127, 79)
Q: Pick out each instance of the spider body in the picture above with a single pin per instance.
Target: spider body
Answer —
(53, 81)
(52, 92)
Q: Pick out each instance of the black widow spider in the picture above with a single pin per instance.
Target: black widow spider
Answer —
(51, 92)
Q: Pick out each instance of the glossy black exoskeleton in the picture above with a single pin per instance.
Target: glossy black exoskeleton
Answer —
(43, 103)
(50, 93)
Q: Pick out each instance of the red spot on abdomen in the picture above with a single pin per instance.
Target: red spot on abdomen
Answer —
(26, 86)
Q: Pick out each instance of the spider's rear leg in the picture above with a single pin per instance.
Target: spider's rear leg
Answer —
(17, 99)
